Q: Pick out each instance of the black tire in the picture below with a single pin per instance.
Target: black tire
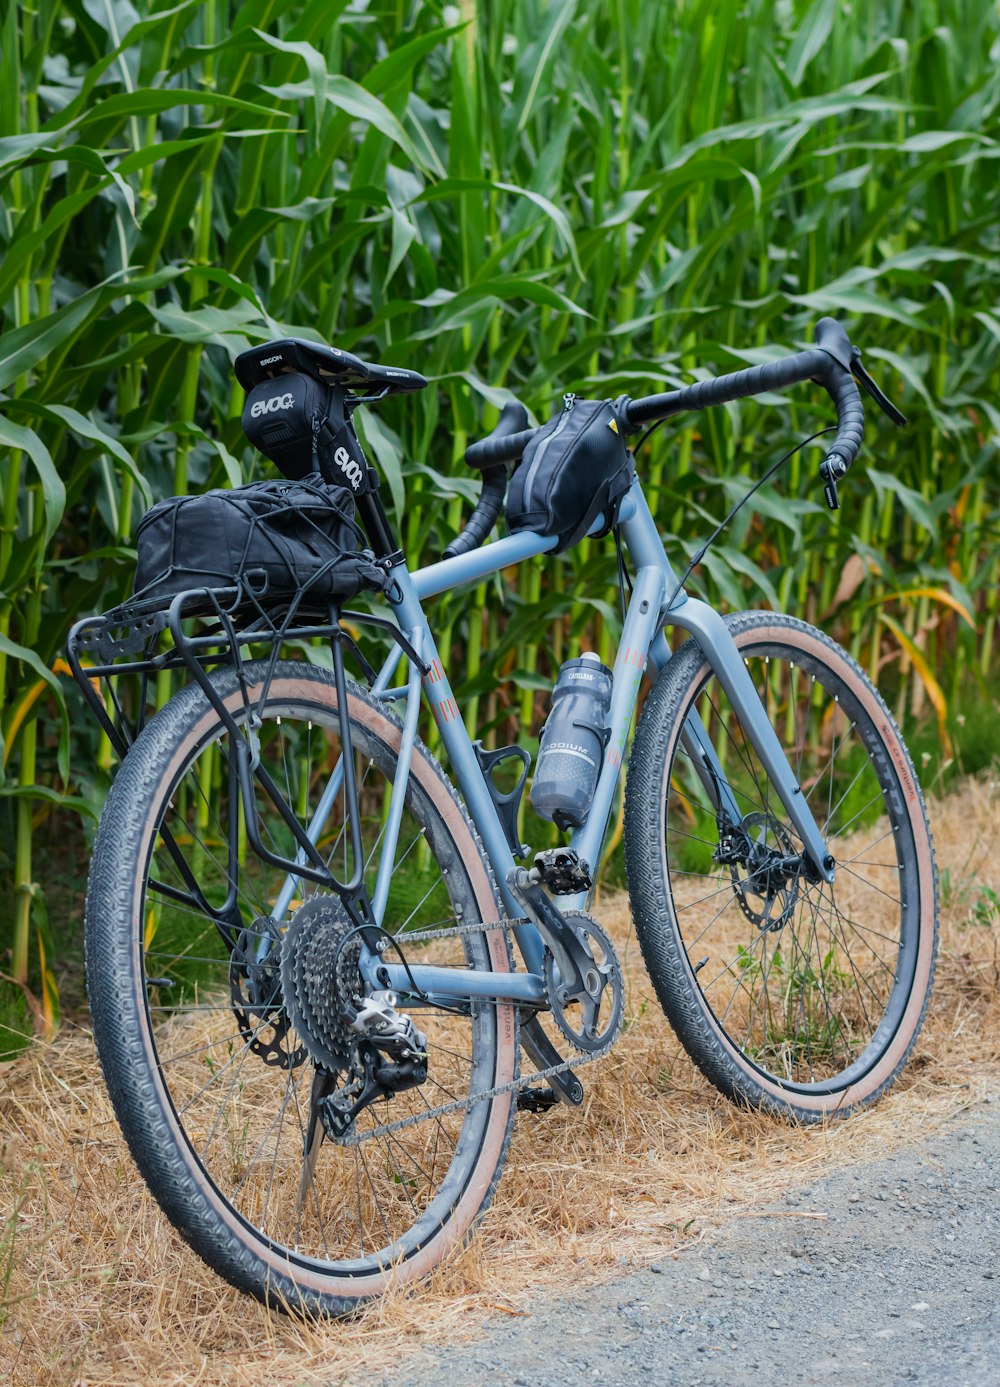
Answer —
(160, 980)
(801, 999)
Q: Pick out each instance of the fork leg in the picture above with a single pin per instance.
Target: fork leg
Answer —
(712, 634)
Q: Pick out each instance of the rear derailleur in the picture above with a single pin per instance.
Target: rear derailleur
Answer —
(389, 1057)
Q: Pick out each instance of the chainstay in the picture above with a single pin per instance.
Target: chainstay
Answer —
(464, 1104)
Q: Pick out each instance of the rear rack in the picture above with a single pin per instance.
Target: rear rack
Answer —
(201, 630)
(233, 618)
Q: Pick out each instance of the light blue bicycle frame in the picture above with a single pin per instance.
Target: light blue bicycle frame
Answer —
(642, 642)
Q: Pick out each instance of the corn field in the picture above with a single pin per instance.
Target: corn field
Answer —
(520, 197)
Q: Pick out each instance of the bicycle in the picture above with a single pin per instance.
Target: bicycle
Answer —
(301, 942)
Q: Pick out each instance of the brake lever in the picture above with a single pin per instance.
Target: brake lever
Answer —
(864, 379)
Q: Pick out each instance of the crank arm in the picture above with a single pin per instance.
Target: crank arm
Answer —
(571, 958)
(543, 1055)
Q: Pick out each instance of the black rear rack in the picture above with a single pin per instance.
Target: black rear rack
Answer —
(208, 628)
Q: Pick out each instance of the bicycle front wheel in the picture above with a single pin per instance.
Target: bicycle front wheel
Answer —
(790, 994)
(216, 1090)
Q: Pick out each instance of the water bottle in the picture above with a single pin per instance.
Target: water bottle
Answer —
(572, 742)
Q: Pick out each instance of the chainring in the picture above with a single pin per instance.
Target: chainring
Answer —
(590, 1020)
(320, 980)
(257, 997)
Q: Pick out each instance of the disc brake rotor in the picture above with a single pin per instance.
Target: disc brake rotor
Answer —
(257, 996)
(769, 891)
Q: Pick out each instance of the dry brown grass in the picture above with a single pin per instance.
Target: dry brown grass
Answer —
(96, 1288)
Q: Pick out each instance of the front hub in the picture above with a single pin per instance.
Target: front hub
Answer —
(765, 871)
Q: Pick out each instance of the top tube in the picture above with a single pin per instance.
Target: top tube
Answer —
(479, 563)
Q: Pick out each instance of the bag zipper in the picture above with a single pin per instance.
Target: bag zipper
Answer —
(569, 400)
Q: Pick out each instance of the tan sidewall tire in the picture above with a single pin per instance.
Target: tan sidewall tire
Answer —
(280, 1283)
(686, 671)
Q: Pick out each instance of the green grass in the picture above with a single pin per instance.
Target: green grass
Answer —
(15, 1021)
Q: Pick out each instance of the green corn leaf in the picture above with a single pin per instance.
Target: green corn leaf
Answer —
(862, 303)
(15, 149)
(152, 101)
(53, 492)
(88, 429)
(27, 657)
(388, 452)
(314, 61)
(912, 501)
(810, 38)
(359, 104)
(25, 347)
(398, 64)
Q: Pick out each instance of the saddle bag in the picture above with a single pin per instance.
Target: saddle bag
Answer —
(277, 538)
(575, 467)
(300, 423)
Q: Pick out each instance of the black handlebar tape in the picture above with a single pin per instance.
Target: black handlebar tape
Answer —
(738, 385)
(831, 336)
(511, 426)
(507, 441)
(484, 517)
(492, 451)
(846, 399)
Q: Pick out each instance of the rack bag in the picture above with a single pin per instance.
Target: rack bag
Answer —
(277, 538)
(575, 467)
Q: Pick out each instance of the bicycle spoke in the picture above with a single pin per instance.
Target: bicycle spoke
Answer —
(254, 1129)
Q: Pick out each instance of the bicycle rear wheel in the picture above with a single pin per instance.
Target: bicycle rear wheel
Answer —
(213, 1085)
(790, 994)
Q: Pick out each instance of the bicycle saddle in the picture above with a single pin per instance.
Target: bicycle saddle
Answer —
(329, 364)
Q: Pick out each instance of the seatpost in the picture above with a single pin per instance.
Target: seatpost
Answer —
(376, 523)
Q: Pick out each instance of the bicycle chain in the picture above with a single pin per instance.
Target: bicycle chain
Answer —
(419, 936)
(464, 1104)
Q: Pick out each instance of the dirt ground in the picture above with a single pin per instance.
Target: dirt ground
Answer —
(655, 1168)
(881, 1273)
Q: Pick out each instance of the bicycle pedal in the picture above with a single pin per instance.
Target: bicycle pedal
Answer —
(563, 871)
(536, 1099)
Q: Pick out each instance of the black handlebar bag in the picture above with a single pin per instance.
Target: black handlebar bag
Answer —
(277, 538)
(575, 467)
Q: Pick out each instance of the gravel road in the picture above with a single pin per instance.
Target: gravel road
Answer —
(899, 1283)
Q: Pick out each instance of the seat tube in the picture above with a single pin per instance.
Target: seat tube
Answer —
(463, 760)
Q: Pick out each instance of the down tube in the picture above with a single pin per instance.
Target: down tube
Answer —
(463, 760)
(642, 621)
